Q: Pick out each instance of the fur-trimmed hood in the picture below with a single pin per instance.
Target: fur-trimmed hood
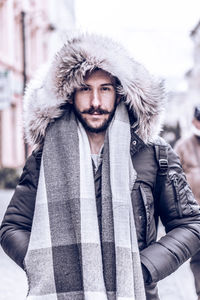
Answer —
(49, 90)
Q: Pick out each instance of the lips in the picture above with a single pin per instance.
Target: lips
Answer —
(97, 114)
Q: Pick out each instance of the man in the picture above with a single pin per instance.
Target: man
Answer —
(188, 150)
(82, 221)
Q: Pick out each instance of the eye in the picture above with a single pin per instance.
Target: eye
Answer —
(106, 88)
(84, 89)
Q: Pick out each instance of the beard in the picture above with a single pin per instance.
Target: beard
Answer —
(103, 126)
(195, 131)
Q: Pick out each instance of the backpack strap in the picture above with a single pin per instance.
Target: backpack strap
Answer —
(162, 159)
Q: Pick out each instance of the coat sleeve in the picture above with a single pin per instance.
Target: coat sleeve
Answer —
(178, 148)
(17, 222)
(180, 214)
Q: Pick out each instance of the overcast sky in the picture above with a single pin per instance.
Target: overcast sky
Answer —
(156, 32)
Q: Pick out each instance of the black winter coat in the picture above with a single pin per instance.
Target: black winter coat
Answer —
(171, 200)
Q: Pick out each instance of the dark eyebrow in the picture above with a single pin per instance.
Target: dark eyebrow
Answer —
(105, 84)
(84, 84)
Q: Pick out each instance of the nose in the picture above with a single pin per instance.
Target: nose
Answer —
(95, 99)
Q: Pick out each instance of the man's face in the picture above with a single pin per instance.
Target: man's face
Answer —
(95, 102)
(196, 123)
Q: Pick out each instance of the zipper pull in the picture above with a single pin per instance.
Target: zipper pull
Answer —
(175, 179)
(177, 196)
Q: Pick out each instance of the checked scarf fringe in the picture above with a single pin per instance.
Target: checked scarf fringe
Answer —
(72, 255)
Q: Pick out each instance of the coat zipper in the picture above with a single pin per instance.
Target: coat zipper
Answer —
(147, 212)
(177, 198)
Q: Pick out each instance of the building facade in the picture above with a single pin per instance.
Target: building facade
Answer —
(181, 103)
(31, 31)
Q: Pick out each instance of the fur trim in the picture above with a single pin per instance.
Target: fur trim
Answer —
(44, 96)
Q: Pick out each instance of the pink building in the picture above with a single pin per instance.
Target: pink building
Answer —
(29, 35)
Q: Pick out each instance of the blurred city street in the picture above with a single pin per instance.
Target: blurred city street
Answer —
(160, 36)
(13, 284)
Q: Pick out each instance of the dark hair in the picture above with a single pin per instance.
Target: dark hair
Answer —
(197, 112)
(116, 82)
(114, 79)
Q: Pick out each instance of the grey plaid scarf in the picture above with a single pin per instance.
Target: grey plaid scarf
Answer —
(68, 257)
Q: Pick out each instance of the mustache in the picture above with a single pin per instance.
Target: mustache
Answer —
(95, 110)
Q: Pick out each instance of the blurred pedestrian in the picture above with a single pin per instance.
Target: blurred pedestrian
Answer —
(83, 220)
(188, 150)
